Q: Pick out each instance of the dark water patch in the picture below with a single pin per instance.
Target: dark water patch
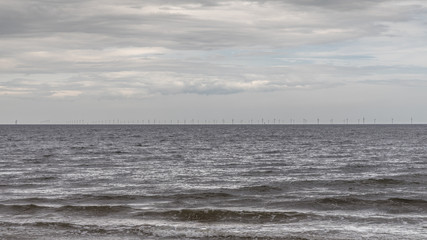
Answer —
(22, 209)
(105, 197)
(109, 151)
(419, 202)
(46, 178)
(26, 185)
(350, 200)
(200, 196)
(119, 152)
(370, 183)
(127, 198)
(152, 197)
(259, 189)
(48, 156)
(79, 147)
(247, 200)
(222, 215)
(391, 205)
(261, 172)
(342, 201)
(384, 181)
(80, 199)
(334, 156)
(77, 210)
(35, 160)
(201, 148)
(62, 225)
(357, 167)
(41, 178)
(274, 151)
(95, 210)
(32, 200)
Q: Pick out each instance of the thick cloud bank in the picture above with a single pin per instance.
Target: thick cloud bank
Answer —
(139, 49)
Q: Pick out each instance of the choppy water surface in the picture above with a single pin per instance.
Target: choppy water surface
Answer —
(213, 182)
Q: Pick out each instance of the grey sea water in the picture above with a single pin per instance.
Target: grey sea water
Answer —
(213, 182)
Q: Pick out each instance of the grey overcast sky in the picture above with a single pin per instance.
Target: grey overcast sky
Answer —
(212, 60)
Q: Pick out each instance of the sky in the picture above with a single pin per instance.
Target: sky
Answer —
(96, 61)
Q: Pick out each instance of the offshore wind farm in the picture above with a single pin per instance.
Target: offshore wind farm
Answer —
(252, 121)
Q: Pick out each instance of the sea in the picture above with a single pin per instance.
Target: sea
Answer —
(220, 181)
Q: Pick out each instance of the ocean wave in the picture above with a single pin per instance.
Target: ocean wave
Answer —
(365, 182)
(80, 210)
(95, 210)
(390, 205)
(198, 215)
(260, 189)
(21, 209)
(420, 202)
(106, 199)
(383, 181)
(177, 196)
(224, 215)
(201, 195)
(351, 200)
(67, 230)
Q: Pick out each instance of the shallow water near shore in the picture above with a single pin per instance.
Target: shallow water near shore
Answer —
(213, 181)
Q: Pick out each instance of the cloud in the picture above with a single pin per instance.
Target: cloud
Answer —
(65, 93)
(135, 49)
(187, 25)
